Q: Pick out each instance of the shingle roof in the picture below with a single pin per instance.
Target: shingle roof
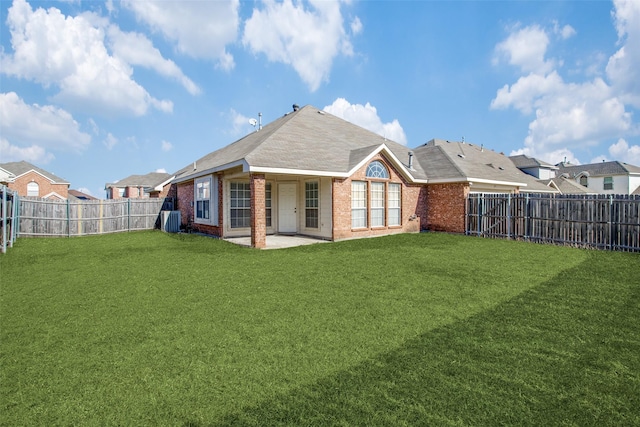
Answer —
(599, 169)
(308, 140)
(568, 186)
(22, 167)
(149, 180)
(523, 161)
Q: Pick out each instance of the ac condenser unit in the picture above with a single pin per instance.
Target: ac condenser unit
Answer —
(171, 221)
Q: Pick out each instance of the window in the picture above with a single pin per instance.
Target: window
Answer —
(394, 204)
(358, 204)
(311, 204)
(584, 181)
(240, 215)
(33, 189)
(203, 199)
(121, 192)
(608, 183)
(267, 204)
(377, 170)
(377, 204)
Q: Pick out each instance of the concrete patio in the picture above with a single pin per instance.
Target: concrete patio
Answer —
(278, 241)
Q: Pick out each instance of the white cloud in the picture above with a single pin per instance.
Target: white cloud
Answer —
(200, 29)
(31, 154)
(366, 116)
(33, 129)
(307, 36)
(525, 48)
(137, 49)
(568, 116)
(623, 68)
(356, 26)
(240, 123)
(161, 170)
(85, 190)
(110, 141)
(70, 53)
(166, 146)
(623, 152)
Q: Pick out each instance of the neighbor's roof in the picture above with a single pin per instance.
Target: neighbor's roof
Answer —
(599, 169)
(447, 161)
(523, 161)
(80, 195)
(568, 186)
(149, 180)
(20, 168)
(306, 141)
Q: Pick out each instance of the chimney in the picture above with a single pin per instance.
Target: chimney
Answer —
(410, 159)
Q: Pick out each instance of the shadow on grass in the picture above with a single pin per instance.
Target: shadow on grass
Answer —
(566, 352)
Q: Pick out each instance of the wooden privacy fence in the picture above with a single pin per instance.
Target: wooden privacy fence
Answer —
(603, 221)
(39, 217)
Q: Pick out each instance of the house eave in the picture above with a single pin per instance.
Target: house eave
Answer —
(193, 175)
(476, 181)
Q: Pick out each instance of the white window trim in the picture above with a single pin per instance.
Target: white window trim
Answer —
(391, 208)
(213, 200)
(317, 182)
(364, 208)
(378, 205)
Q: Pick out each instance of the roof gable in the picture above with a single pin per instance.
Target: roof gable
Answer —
(21, 168)
(308, 140)
(149, 180)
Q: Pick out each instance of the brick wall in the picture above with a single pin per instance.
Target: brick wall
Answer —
(45, 185)
(258, 220)
(445, 208)
(184, 194)
(410, 207)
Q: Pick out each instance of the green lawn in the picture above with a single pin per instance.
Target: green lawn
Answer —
(149, 328)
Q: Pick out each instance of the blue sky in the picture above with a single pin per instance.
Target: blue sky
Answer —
(97, 91)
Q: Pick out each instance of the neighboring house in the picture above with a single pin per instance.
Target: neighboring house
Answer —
(79, 195)
(605, 177)
(31, 181)
(154, 184)
(534, 167)
(315, 174)
(565, 185)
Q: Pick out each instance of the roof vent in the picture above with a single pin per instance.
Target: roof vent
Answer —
(411, 160)
(296, 107)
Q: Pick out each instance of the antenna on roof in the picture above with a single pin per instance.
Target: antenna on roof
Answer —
(254, 122)
(463, 139)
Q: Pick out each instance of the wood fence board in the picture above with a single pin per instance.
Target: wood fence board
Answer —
(39, 217)
(603, 221)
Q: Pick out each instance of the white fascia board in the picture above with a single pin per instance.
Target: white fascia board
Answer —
(194, 175)
(53, 193)
(478, 181)
(160, 186)
(287, 171)
(395, 160)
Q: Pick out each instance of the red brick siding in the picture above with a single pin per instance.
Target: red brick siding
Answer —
(185, 204)
(258, 220)
(45, 186)
(410, 207)
(445, 210)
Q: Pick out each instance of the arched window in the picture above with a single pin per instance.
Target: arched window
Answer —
(33, 189)
(377, 170)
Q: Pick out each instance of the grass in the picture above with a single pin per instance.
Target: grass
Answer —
(148, 328)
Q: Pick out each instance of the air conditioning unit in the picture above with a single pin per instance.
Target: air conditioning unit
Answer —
(171, 221)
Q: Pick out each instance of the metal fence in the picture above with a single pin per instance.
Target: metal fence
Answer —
(39, 217)
(603, 221)
(8, 210)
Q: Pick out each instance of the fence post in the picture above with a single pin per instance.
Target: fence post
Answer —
(480, 200)
(4, 219)
(68, 220)
(610, 222)
(509, 216)
(128, 214)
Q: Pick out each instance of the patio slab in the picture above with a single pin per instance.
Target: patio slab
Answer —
(278, 241)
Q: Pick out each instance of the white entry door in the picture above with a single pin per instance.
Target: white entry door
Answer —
(287, 208)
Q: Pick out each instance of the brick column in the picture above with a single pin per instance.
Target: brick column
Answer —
(258, 220)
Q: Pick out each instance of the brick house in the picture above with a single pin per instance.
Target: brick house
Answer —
(314, 174)
(31, 181)
(151, 185)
